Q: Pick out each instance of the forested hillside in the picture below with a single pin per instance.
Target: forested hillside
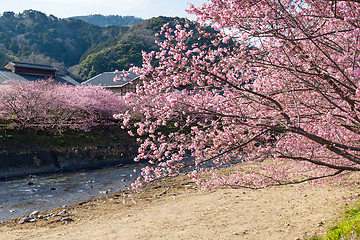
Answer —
(75, 46)
(127, 50)
(64, 41)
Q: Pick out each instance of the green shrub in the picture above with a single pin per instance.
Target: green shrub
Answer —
(348, 229)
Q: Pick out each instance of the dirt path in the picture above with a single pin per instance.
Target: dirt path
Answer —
(177, 209)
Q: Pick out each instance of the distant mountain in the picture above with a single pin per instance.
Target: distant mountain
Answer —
(111, 20)
(57, 40)
(74, 46)
(127, 51)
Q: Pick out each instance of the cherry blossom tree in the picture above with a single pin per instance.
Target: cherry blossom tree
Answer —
(281, 79)
(50, 105)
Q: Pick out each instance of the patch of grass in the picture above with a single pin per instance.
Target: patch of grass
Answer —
(348, 229)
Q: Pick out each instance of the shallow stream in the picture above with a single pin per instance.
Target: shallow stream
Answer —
(21, 196)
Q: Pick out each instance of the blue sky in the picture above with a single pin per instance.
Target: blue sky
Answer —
(139, 8)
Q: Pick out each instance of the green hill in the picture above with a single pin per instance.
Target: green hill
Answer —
(127, 51)
(60, 40)
(75, 46)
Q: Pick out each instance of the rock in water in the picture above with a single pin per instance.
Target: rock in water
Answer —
(62, 212)
(24, 220)
(34, 214)
(67, 219)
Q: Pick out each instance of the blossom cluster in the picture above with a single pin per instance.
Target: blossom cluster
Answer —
(50, 105)
(279, 78)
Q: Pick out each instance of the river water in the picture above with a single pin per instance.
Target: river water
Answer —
(21, 196)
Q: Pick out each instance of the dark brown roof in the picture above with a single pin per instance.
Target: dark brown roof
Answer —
(32, 66)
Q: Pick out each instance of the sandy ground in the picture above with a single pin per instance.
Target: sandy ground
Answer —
(178, 209)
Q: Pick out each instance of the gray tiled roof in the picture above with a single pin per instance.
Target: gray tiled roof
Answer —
(106, 79)
(6, 75)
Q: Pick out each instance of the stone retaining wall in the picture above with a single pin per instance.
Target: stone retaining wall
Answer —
(54, 160)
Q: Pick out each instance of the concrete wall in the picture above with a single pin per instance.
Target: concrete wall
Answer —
(27, 163)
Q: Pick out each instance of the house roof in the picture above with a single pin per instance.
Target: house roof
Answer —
(33, 66)
(6, 75)
(106, 79)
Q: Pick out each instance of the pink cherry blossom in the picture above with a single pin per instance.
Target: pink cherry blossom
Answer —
(46, 104)
(279, 80)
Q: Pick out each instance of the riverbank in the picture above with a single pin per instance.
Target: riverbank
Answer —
(26, 152)
(66, 159)
(177, 209)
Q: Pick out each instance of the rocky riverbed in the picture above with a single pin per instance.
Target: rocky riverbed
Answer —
(22, 196)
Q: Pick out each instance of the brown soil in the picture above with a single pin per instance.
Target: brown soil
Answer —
(177, 209)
